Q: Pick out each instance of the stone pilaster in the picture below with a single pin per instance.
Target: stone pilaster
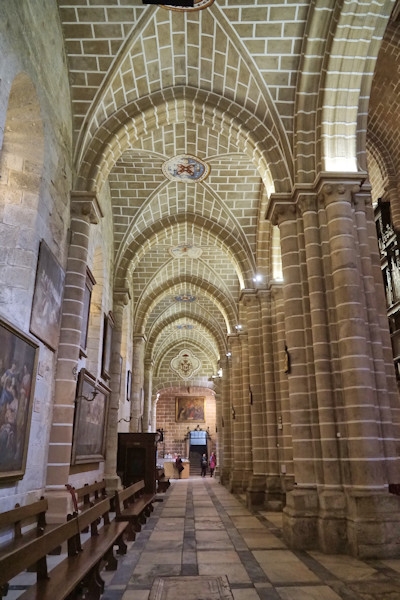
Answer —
(239, 458)
(225, 428)
(301, 511)
(148, 389)
(331, 524)
(137, 392)
(121, 300)
(272, 346)
(255, 492)
(84, 212)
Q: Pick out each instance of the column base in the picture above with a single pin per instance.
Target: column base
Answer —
(224, 475)
(235, 485)
(255, 492)
(332, 535)
(373, 522)
(300, 517)
(113, 482)
(275, 495)
(60, 505)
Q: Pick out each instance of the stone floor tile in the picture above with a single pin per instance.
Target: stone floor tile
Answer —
(344, 567)
(245, 594)
(236, 573)
(317, 592)
(215, 557)
(282, 566)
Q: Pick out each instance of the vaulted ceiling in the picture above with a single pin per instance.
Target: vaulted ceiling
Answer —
(188, 118)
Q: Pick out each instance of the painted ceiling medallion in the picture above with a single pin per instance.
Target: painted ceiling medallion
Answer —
(198, 5)
(185, 298)
(185, 364)
(185, 167)
(185, 250)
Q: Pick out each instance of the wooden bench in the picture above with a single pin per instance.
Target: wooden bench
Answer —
(80, 569)
(162, 483)
(22, 524)
(133, 504)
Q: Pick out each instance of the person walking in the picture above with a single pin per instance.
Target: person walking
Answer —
(213, 463)
(203, 465)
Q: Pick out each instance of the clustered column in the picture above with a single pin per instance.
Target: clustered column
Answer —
(84, 212)
(137, 392)
(121, 300)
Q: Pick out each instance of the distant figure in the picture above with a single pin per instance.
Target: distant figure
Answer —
(203, 465)
(213, 463)
(179, 464)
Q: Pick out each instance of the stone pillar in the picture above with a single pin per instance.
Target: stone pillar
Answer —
(225, 428)
(255, 493)
(238, 447)
(372, 520)
(148, 389)
(84, 212)
(121, 300)
(137, 393)
(331, 523)
(301, 511)
(244, 416)
(272, 345)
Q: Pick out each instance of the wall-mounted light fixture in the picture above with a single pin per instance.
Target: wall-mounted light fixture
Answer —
(238, 327)
(90, 398)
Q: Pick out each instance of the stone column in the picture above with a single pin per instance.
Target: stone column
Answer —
(137, 393)
(371, 512)
(121, 300)
(238, 446)
(331, 522)
(272, 345)
(225, 428)
(255, 493)
(300, 513)
(85, 211)
(148, 389)
(244, 416)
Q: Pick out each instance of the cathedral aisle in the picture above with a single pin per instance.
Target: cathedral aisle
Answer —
(203, 540)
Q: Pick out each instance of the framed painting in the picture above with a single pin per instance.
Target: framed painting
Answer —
(87, 297)
(47, 298)
(18, 365)
(128, 385)
(107, 342)
(189, 409)
(90, 422)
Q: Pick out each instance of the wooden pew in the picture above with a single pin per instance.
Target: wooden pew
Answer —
(133, 505)
(80, 569)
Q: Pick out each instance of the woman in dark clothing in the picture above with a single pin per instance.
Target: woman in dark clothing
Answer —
(203, 465)
(179, 464)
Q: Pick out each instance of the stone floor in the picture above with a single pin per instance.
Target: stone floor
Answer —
(200, 529)
(202, 535)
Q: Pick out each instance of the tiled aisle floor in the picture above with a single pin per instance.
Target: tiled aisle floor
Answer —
(201, 529)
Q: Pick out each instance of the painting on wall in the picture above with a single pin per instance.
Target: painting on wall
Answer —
(107, 341)
(189, 409)
(18, 364)
(91, 407)
(47, 298)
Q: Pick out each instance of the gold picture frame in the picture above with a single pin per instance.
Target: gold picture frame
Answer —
(190, 409)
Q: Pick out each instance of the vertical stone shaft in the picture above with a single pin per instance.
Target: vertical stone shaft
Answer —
(225, 430)
(239, 458)
(148, 389)
(330, 473)
(84, 211)
(121, 299)
(362, 442)
(299, 393)
(137, 393)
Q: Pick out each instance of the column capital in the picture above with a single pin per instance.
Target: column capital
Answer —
(139, 337)
(85, 206)
(280, 211)
(122, 296)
